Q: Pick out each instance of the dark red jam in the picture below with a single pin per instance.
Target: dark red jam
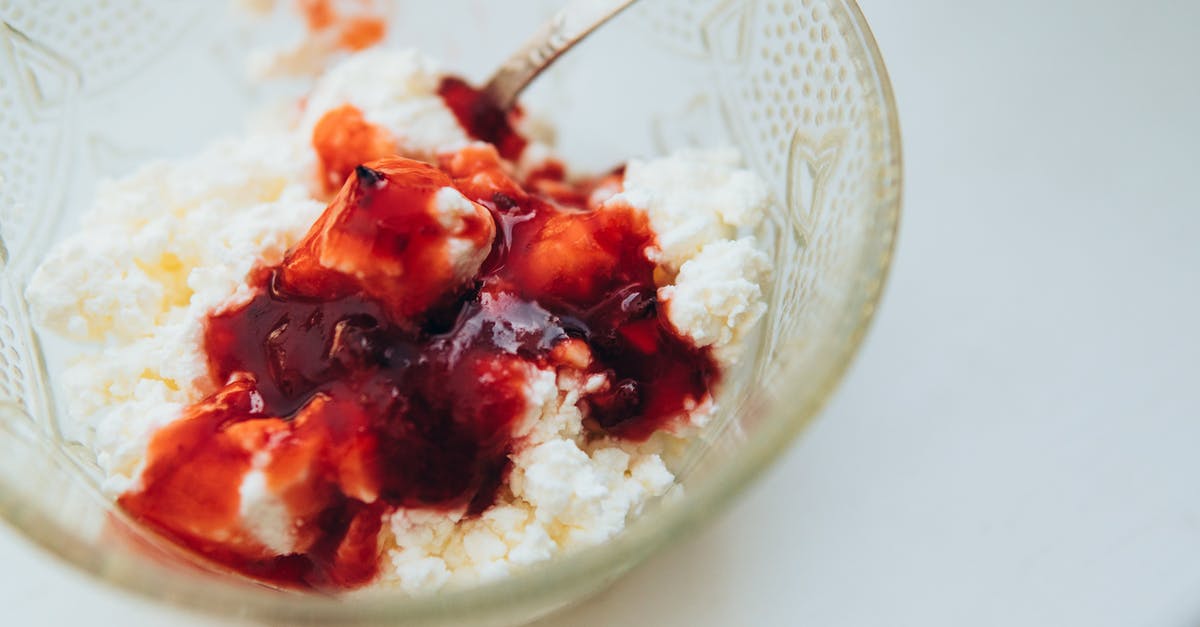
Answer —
(480, 118)
(366, 375)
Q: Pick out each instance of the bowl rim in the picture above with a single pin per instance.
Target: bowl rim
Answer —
(575, 572)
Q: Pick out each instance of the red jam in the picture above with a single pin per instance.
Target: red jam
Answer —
(365, 376)
(481, 119)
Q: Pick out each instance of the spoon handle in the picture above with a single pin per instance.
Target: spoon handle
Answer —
(568, 27)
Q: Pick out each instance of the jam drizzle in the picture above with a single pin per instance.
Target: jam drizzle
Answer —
(481, 119)
(364, 376)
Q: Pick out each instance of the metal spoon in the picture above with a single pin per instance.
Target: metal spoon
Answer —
(568, 27)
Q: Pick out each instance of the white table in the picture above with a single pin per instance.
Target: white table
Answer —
(1019, 442)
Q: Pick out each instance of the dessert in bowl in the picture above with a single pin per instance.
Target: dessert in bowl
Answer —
(407, 352)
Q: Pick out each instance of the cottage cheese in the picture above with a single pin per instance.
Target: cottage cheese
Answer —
(136, 282)
(396, 90)
(164, 247)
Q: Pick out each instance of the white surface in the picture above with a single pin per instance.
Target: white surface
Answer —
(1017, 444)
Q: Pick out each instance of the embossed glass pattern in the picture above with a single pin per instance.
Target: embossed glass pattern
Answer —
(90, 88)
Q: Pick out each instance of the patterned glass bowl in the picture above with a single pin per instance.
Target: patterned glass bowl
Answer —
(89, 89)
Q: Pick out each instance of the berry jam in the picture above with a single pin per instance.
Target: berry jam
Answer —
(367, 373)
(482, 119)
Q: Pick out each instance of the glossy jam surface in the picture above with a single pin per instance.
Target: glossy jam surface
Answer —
(386, 236)
(368, 373)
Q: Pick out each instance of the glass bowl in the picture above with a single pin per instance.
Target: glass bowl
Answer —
(89, 89)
